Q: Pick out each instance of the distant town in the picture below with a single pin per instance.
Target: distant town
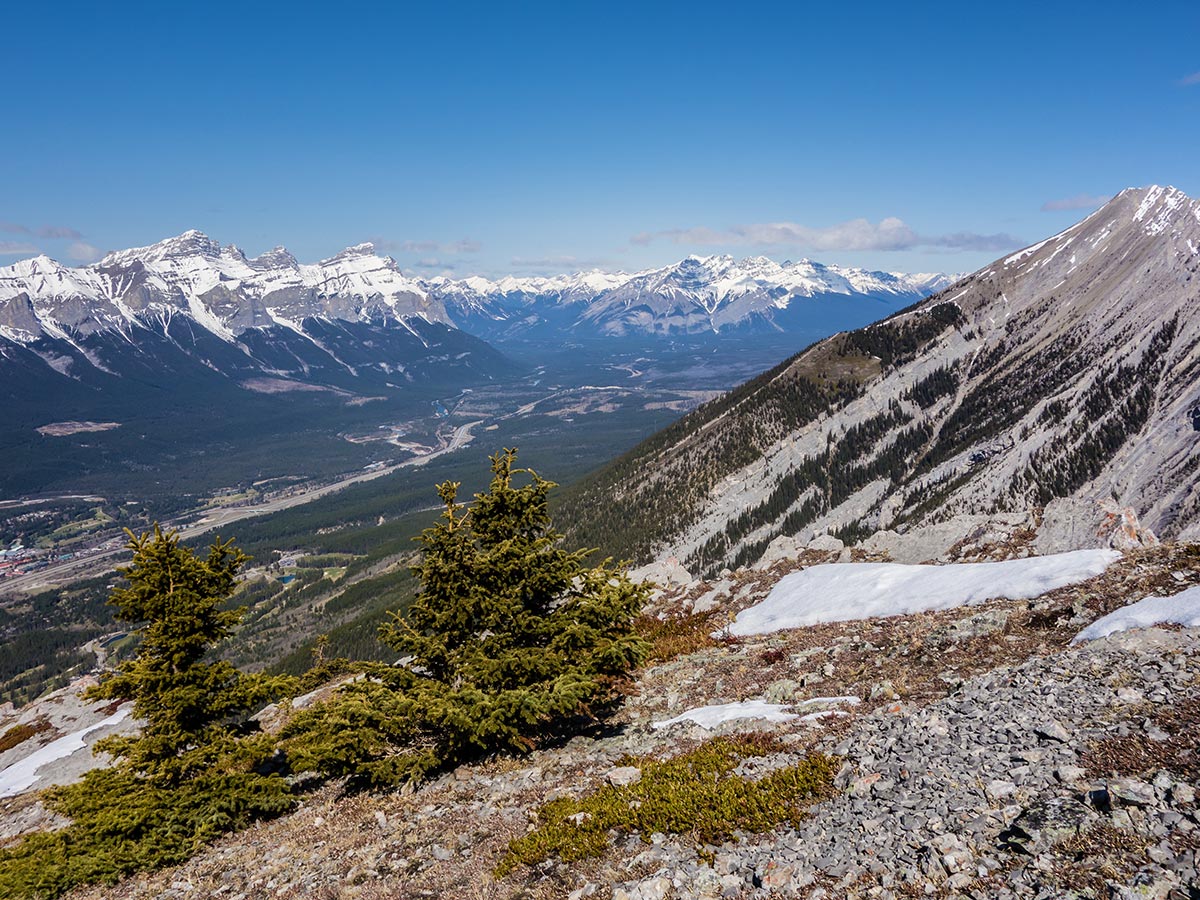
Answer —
(21, 560)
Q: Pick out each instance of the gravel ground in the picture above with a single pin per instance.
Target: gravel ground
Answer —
(988, 758)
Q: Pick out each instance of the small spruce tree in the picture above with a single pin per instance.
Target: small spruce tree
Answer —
(192, 711)
(511, 641)
(195, 769)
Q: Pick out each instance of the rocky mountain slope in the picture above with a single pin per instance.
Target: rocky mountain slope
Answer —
(1069, 370)
(981, 752)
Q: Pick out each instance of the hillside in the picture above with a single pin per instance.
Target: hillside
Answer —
(981, 751)
(1064, 372)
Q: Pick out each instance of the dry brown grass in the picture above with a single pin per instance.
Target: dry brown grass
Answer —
(1138, 754)
(677, 635)
(1102, 853)
(19, 734)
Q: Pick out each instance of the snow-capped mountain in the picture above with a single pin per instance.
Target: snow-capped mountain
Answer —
(719, 293)
(217, 287)
(698, 295)
(189, 317)
(1061, 376)
(225, 293)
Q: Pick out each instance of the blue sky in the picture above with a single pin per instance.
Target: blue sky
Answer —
(495, 138)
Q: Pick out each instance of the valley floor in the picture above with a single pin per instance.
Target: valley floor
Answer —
(988, 757)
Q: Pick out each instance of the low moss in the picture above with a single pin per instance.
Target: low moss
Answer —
(696, 794)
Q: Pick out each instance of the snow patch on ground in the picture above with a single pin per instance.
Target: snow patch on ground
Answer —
(22, 774)
(840, 592)
(1179, 609)
(712, 716)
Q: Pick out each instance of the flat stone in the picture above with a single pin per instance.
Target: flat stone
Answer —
(1053, 730)
(778, 876)
(1131, 791)
(1070, 774)
(783, 691)
(1000, 789)
(1046, 823)
(654, 889)
(623, 776)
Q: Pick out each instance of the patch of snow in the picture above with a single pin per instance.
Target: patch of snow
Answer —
(840, 592)
(1179, 609)
(1021, 254)
(1148, 201)
(18, 777)
(17, 335)
(712, 716)
(849, 700)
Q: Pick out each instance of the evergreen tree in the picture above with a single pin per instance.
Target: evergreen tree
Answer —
(511, 641)
(195, 769)
(190, 709)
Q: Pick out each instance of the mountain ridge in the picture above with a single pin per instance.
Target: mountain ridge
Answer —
(226, 292)
(1064, 371)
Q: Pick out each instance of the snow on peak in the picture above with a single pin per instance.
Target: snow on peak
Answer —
(276, 258)
(366, 248)
(190, 243)
(1158, 207)
(216, 287)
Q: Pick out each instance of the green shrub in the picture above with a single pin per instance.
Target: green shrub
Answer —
(122, 823)
(695, 794)
(511, 642)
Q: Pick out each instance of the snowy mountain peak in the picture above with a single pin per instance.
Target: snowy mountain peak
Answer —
(276, 258)
(189, 244)
(364, 249)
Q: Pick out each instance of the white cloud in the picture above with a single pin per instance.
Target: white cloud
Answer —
(854, 235)
(1189, 80)
(58, 231)
(83, 252)
(425, 248)
(44, 231)
(1079, 201)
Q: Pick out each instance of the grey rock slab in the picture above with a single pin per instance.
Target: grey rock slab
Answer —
(623, 776)
(1131, 791)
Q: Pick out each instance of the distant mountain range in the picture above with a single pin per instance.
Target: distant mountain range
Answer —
(187, 317)
(700, 295)
(1067, 371)
(226, 293)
